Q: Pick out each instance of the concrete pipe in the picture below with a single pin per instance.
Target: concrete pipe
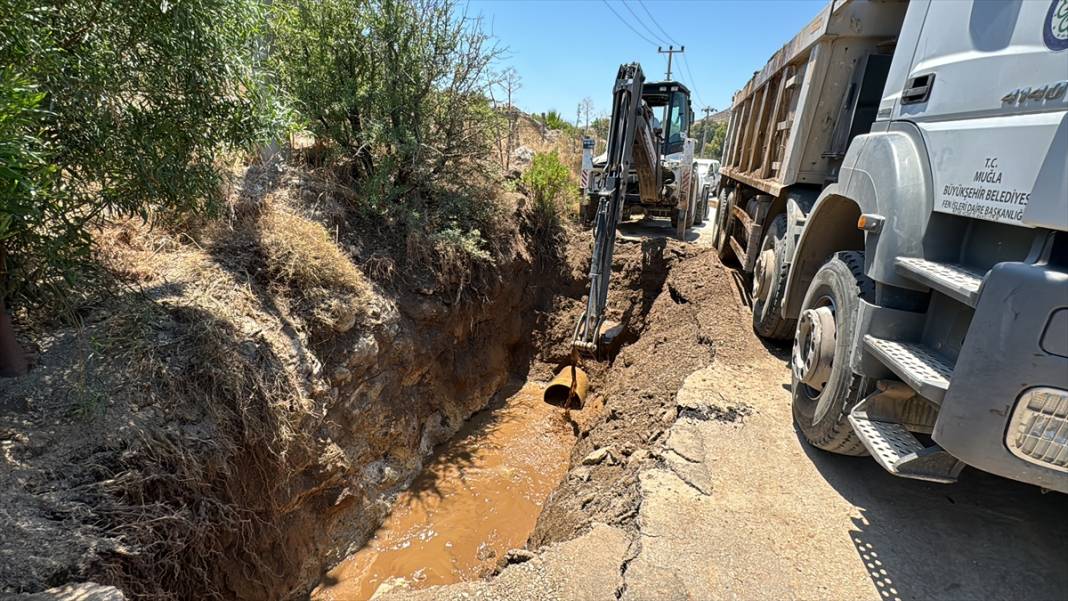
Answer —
(566, 390)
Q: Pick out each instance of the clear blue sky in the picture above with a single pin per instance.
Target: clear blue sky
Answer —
(567, 50)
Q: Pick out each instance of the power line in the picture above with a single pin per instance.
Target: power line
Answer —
(624, 21)
(641, 22)
(653, 19)
(693, 80)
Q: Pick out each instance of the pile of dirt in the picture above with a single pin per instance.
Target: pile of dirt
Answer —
(236, 414)
(666, 293)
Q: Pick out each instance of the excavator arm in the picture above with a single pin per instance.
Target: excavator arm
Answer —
(627, 122)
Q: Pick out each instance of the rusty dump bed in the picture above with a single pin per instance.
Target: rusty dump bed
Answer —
(782, 125)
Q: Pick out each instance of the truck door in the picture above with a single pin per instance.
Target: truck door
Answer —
(988, 87)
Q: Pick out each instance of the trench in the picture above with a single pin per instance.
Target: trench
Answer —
(478, 496)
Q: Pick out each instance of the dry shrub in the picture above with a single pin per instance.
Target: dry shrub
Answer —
(185, 501)
(300, 252)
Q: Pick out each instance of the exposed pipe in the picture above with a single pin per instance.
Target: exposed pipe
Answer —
(568, 389)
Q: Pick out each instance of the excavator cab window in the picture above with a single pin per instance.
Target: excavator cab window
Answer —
(677, 122)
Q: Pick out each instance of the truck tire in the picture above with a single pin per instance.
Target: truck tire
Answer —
(691, 204)
(721, 201)
(723, 232)
(822, 352)
(769, 284)
(702, 207)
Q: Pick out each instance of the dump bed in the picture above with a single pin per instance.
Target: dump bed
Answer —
(793, 120)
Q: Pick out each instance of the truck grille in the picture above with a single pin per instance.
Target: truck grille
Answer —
(1038, 431)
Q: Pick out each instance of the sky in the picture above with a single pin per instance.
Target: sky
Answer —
(565, 51)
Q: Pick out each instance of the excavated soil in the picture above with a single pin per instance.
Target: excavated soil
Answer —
(664, 286)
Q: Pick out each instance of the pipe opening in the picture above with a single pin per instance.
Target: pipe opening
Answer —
(560, 389)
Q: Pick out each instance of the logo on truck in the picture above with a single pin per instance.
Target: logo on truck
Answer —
(1055, 33)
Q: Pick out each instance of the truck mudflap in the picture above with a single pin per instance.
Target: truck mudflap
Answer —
(1006, 410)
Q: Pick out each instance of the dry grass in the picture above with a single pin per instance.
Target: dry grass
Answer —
(300, 252)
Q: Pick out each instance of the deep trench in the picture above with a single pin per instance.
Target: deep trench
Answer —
(481, 491)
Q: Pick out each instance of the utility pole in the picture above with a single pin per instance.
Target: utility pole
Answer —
(670, 52)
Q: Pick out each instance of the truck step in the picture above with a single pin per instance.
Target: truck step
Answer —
(918, 366)
(900, 453)
(956, 281)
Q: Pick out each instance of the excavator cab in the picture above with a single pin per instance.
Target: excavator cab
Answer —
(671, 100)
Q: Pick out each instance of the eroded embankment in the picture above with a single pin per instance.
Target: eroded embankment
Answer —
(236, 418)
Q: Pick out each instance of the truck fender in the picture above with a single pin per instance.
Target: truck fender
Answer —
(885, 174)
(831, 227)
(891, 178)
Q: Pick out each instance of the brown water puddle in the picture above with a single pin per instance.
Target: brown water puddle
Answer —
(479, 497)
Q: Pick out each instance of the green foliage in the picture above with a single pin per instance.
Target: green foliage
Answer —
(553, 120)
(134, 102)
(600, 127)
(25, 171)
(712, 139)
(399, 89)
(396, 85)
(549, 181)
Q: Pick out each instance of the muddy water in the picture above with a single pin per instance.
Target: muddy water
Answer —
(478, 497)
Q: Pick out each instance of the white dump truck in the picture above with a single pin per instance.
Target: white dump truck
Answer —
(895, 180)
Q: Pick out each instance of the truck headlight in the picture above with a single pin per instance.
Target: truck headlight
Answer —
(1038, 431)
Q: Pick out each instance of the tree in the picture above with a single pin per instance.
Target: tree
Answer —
(399, 87)
(117, 108)
(586, 106)
(509, 83)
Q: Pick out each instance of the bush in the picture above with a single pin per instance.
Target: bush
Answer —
(132, 102)
(396, 85)
(399, 89)
(550, 184)
(553, 120)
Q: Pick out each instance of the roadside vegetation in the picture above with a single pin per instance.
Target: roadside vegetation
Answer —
(204, 203)
(552, 188)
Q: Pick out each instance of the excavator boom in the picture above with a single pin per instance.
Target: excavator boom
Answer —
(610, 190)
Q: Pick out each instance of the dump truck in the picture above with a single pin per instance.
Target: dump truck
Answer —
(895, 182)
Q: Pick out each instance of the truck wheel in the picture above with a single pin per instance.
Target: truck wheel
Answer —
(769, 284)
(723, 232)
(720, 202)
(702, 207)
(824, 387)
(691, 204)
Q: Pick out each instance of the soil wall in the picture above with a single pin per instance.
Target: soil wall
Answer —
(204, 433)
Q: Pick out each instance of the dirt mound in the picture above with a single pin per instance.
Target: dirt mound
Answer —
(668, 295)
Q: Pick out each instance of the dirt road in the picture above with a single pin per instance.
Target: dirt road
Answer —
(734, 505)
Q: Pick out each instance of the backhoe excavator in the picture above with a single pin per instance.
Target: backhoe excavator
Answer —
(648, 166)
